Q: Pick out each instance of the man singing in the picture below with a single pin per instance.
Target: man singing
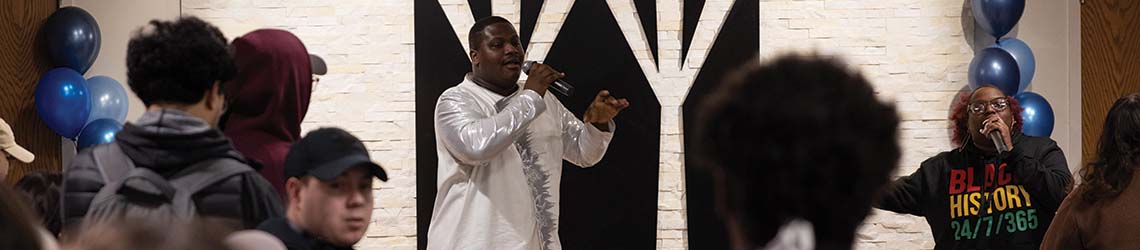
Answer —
(501, 147)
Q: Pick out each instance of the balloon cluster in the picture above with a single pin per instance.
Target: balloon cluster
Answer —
(1008, 64)
(89, 111)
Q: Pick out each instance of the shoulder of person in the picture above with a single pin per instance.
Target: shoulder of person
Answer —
(940, 160)
(1035, 142)
(1034, 146)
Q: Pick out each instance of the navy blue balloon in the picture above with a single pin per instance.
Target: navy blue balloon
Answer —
(73, 38)
(997, 16)
(1021, 53)
(996, 67)
(98, 132)
(1036, 114)
(63, 101)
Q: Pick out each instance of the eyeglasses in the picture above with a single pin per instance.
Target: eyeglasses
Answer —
(998, 104)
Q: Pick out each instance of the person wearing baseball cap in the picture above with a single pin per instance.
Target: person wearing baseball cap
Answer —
(328, 184)
(11, 149)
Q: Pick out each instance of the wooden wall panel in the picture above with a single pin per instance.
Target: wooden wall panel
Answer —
(1110, 62)
(22, 61)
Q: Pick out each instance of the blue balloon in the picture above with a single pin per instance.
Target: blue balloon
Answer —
(63, 102)
(1036, 114)
(996, 67)
(73, 38)
(108, 99)
(1021, 53)
(98, 132)
(997, 16)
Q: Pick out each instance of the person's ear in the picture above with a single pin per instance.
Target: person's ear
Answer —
(215, 99)
(293, 187)
(474, 57)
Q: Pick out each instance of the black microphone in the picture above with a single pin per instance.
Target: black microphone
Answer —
(999, 141)
(560, 86)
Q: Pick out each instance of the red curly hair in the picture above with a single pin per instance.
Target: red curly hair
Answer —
(959, 116)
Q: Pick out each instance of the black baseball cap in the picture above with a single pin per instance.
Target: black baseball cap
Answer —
(326, 153)
(318, 65)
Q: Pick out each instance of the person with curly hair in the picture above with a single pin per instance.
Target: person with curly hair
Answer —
(177, 68)
(798, 147)
(1101, 212)
(975, 197)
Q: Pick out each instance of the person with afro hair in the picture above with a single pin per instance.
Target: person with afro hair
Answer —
(798, 147)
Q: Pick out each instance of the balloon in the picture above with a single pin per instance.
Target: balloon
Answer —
(996, 67)
(1021, 53)
(73, 38)
(98, 132)
(62, 101)
(1036, 114)
(108, 99)
(997, 16)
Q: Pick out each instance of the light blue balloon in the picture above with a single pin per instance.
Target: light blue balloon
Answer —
(108, 99)
(1021, 53)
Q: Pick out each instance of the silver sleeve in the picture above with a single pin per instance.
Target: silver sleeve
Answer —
(473, 137)
(583, 144)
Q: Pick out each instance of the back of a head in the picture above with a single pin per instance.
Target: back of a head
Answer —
(17, 228)
(176, 62)
(1118, 152)
(147, 235)
(271, 93)
(253, 240)
(798, 137)
(41, 191)
(268, 98)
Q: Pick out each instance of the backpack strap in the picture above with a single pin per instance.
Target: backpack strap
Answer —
(201, 175)
(113, 163)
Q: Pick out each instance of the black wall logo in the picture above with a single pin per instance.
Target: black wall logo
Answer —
(612, 205)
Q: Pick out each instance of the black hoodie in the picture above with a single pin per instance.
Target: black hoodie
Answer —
(294, 237)
(168, 141)
(975, 201)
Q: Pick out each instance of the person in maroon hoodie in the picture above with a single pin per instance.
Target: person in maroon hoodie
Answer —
(269, 98)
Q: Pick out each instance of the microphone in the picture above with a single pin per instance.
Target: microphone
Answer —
(560, 86)
(999, 141)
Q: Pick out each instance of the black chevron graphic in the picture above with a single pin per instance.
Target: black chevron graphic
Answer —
(612, 205)
(691, 13)
(737, 42)
(647, 12)
(530, 12)
(480, 8)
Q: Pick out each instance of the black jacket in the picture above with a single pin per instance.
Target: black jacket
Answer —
(974, 201)
(167, 141)
(294, 238)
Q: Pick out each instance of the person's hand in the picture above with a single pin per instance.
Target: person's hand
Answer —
(603, 109)
(540, 77)
(994, 122)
